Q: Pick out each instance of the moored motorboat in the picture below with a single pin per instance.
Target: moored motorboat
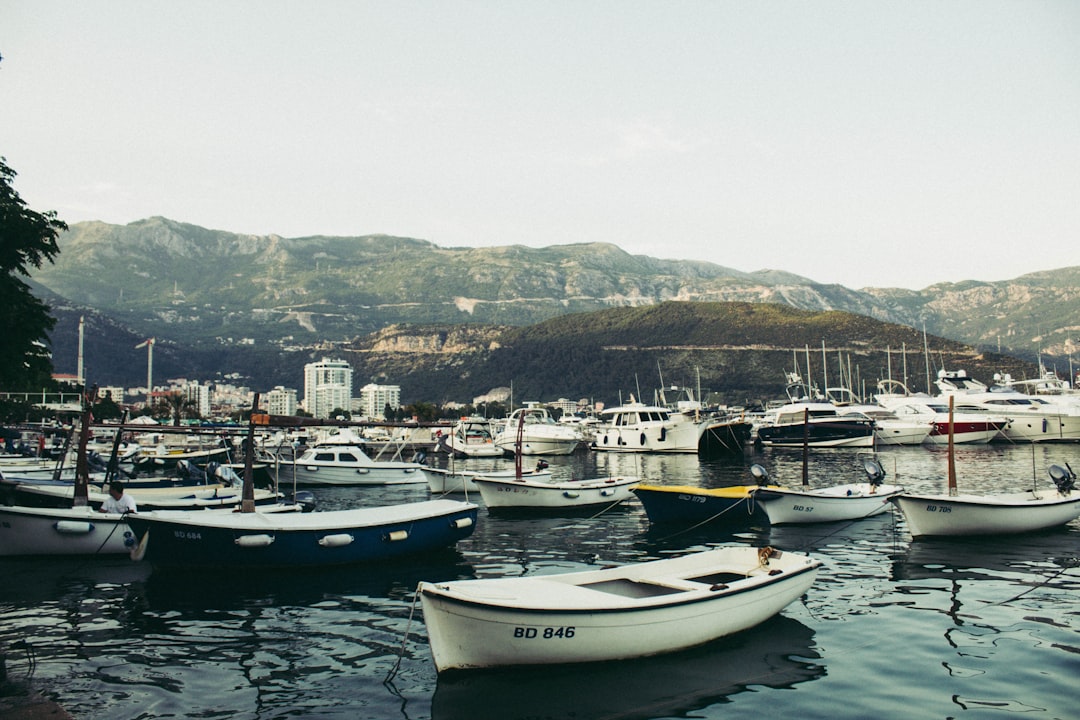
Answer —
(955, 514)
(471, 437)
(543, 493)
(850, 501)
(350, 465)
(254, 538)
(687, 504)
(260, 539)
(533, 431)
(463, 481)
(631, 611)
(640, 428)
(818, 424)
(63, 531)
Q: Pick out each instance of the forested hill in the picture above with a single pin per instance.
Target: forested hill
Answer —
(739, 351)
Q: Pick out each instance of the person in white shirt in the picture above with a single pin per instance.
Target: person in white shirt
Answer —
(118, 502)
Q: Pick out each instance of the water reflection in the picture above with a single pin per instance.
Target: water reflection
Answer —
(777, 654)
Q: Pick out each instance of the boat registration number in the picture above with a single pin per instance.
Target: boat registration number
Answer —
(692, 498)
(547, 633)
(187, 535)
(938, 508)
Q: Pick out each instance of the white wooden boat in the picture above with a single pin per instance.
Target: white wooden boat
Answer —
(63, 531)
(192, 497)
(617, 613)
(539, 493)
(350, 465)
(463, 481)
(1001, 514)
(851, 501)
(954, 514)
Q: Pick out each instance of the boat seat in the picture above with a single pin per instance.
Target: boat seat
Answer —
(633, 588)
(720, 578)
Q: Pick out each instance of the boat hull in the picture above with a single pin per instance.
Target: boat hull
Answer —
(681, 437)
(443, 481)
(833, 504)
(527, 493)
(63, 531)
(833, 433)
(725, 437)
(976, 432)
(685, 504)
(177, 539)
(1042, 427)
(948, 515)
(538, 445)
(608, 614)
(313, 474)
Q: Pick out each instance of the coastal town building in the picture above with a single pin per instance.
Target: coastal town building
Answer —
(281, 401)
(374, 399)
(327, 387)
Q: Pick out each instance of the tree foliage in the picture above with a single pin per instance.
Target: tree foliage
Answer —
(27, 240)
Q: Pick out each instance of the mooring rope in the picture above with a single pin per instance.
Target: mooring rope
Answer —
(404, 638)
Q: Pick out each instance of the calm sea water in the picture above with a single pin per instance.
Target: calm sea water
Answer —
(892, 628)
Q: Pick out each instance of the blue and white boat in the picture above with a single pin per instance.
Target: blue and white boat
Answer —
(258, 539)
(253, 538)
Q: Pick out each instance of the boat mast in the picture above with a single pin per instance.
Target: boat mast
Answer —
(926, 353)
(824, 370)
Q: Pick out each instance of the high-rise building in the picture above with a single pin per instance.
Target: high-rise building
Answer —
(281, 401)
(375, 398)
(199, 396)
(327, 387)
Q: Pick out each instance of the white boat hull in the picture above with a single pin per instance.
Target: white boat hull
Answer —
(443, 481)
(613, 614)
(1031, 427)
(538, 445)
(832, 504)
(63, 531)
(673, 438)
(373, 474)
(945, 515)
(537, 493)
(887, 433)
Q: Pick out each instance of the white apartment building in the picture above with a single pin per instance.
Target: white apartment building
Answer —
(281, 401)
(199, 396)
(374, 399)
(327, 387)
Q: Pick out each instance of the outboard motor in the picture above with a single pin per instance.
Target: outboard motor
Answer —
(1063, 477)
(225, 474)
(761, 475)
(541, 465)
(187, 470)
(874, 472)
(305, 499)
(419, 457)
(95, 462)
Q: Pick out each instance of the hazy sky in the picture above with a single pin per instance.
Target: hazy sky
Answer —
(863, 143)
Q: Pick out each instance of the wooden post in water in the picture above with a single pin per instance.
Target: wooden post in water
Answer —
(806, 447)
(81, 492)
(247, 499)
(952, 454)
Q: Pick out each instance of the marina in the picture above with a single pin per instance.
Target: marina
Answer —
(960, 627)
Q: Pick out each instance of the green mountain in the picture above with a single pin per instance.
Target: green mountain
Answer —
(450, 323)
